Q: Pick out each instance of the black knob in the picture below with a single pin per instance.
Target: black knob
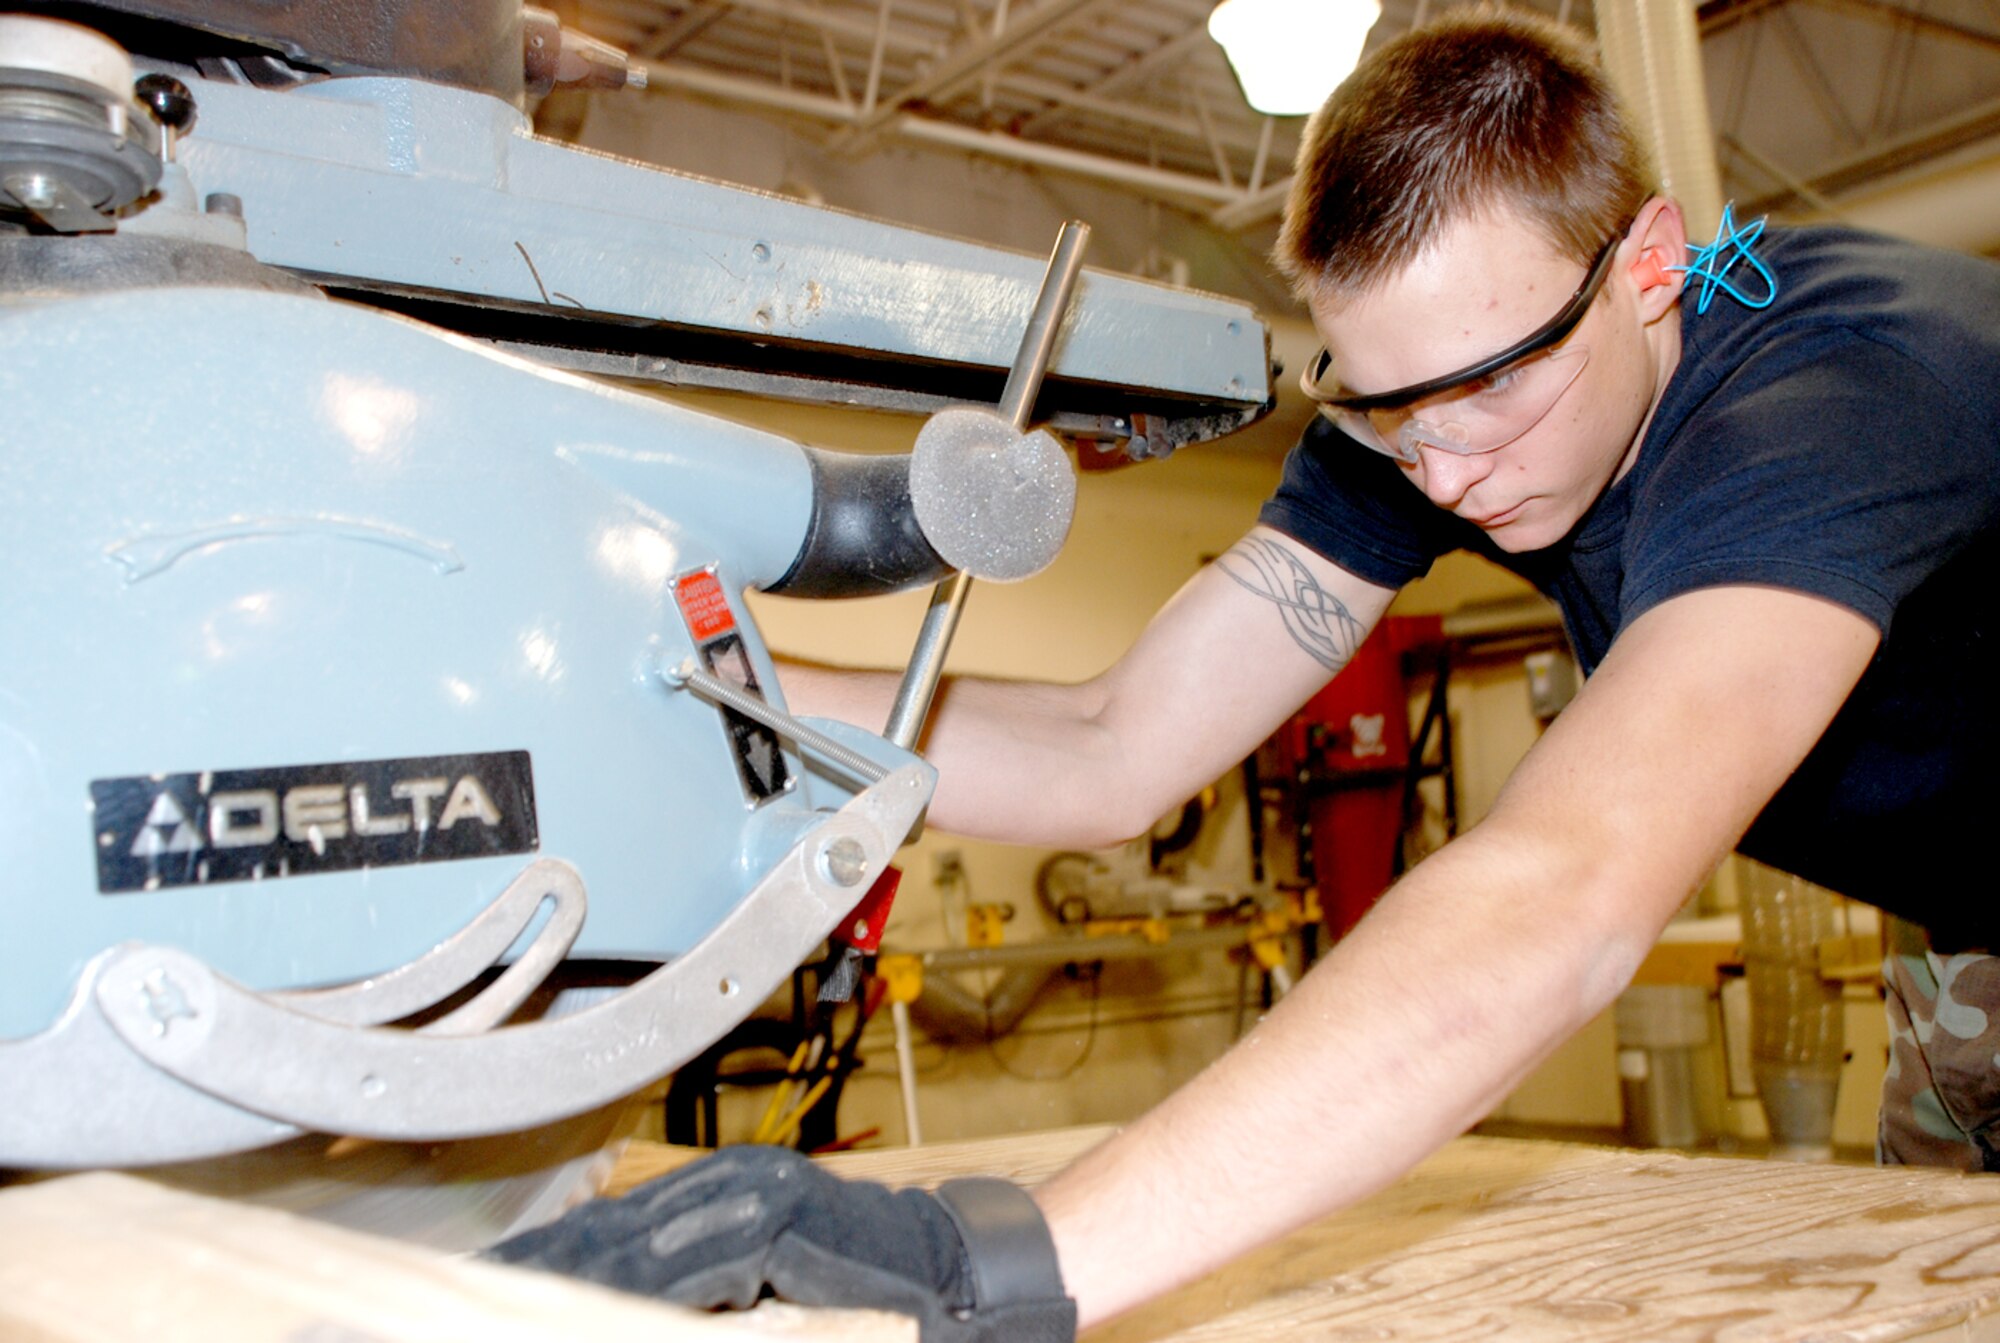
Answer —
(171, 103)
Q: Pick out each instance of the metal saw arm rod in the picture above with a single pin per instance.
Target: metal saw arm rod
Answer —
(965, 462)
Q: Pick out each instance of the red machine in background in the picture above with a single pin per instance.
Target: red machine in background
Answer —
(1343, 767)
(1344, 773)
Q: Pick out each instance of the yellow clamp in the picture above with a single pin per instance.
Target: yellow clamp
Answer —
(1268, 952)
(985, 925)
(1156, 931)
(903, 975)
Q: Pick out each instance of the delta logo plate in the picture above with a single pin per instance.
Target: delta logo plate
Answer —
(158, 830)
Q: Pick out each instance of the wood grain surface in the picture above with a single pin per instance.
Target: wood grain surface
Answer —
(107, 1258)
(1489, 1240)
(1545, 1243)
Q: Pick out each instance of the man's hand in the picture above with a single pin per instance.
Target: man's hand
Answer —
(972, 1262)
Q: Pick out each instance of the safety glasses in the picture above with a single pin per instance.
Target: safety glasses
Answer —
(1480, 408)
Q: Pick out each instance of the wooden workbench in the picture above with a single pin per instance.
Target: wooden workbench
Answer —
(108, 1258)
(1520, 1242)
(1490, 1240)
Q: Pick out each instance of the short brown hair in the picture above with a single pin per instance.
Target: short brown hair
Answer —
(1482, 109)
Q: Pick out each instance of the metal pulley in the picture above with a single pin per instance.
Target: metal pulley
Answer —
(74, 145)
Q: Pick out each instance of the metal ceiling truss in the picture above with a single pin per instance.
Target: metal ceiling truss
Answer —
(1854, 64)
(1134, 93)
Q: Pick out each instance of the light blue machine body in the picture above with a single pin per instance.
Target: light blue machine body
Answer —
(416, 548)
(273, 559)
(429, 189)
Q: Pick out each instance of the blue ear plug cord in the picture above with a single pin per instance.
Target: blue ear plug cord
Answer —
(1711, 264)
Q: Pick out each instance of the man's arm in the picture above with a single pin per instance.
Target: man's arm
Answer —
(1237, 650)
(1481, 960)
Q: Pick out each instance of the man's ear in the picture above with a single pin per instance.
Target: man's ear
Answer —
(1658, 243)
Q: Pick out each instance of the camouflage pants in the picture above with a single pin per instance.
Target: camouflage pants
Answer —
(1941, 1096)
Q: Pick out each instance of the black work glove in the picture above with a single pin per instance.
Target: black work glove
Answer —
(973, 1262)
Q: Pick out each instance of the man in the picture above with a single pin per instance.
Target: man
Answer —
(1767, 528)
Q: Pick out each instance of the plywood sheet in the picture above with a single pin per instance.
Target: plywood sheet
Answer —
(1521, 1242)
(110, 1259)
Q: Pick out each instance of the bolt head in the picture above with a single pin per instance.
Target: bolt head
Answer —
(844, 861)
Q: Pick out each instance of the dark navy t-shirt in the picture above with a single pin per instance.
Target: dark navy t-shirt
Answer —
(1844, 442)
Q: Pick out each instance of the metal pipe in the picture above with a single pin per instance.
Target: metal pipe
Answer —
(1119, 172)
(1140, 71)
(1253, 207)
(695, 79)
(833, 70)
(1038, 342)
(852, 26)
(1263, 156)
(1978, 37)
(1080, 950)
(875, 58)
(920, 682)
(1024, 382)
(1160, 181)
(975, 58)
(1215, 149)
(1509, 615)
(906, 1073)
(1132, 114)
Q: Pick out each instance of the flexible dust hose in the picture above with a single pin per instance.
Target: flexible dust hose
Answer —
(1652, 52)
(1796, 1039)
(950, 1013)
(862, 539)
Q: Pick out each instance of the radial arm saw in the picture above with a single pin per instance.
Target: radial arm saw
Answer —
(376, 639)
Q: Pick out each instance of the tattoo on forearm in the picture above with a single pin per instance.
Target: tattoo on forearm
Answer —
(1316, 619)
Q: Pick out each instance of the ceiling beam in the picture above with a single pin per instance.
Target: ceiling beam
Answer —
(750, 92)
(970, 59)
(690, 25)
(1132, 113)
(1252, 207)
(1156, 181)
(1907, 150)
(1813, 75)
(1714, 16)
(842, 25)
(1779, 174)
(1171, 52)
(1883, 9)
(1181, 188)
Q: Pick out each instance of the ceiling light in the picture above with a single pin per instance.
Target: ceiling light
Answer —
(1290, 54)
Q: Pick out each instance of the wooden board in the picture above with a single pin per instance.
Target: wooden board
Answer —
(1521, 1242)
(1490, 1240)
(113, 1259)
